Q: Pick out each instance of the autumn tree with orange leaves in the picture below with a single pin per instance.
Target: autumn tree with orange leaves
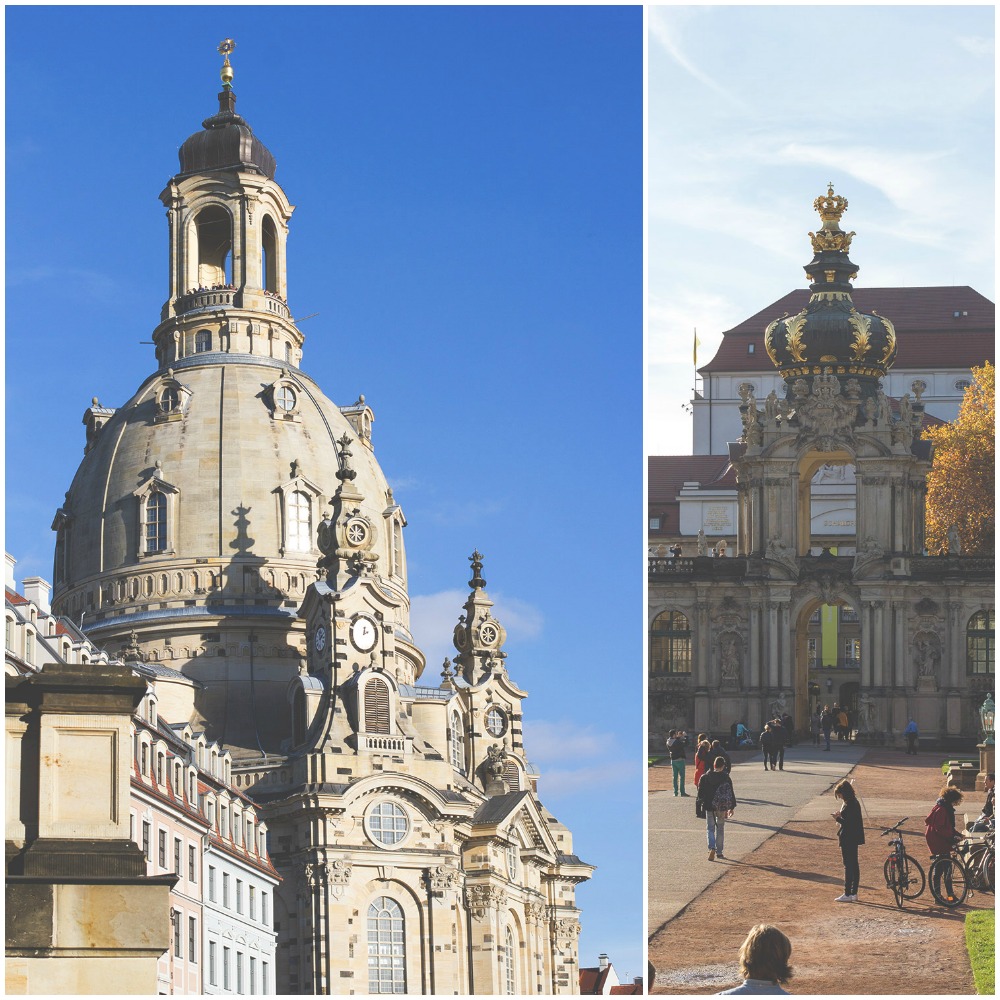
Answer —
(960, 485)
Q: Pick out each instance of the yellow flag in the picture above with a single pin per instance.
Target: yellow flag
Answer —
(696, 343)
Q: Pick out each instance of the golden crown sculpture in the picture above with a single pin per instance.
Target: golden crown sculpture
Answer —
(830, 207)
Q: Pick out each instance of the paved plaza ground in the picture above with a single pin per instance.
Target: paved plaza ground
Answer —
(783, 866)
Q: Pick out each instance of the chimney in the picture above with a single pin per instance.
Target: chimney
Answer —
(602, 961)
(10, 569)
(37, 591)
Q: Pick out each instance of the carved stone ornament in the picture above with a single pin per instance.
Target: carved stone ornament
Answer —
(777, 551)
(868, 715)
(825, 414)
(565, 931)
(731, 660)
(441, 878)
(926, 653)
(535, 912)
(481, 898)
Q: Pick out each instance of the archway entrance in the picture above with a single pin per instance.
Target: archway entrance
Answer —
(828, 647)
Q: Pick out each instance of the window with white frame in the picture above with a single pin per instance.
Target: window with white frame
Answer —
(156, 523)
(386, 947)
(508, 963)
(457, 742)
(298, 524)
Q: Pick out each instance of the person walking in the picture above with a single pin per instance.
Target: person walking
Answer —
(911, 734)
(701, 758)
(718, 800)
(814, 727)
(718, 752)
(782, 738)
(768, 747)
(851, 834)
(764, 964)
(789, 727)
(826, 724)
(677, 748)
(843, 726)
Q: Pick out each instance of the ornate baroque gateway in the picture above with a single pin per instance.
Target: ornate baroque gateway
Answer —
(230, 525)
(865, 617)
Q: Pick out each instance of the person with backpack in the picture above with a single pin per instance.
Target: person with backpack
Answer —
(717, 800)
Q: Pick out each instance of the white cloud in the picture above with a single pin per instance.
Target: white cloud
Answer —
(547, 741)
(977, 45)
(554, 784)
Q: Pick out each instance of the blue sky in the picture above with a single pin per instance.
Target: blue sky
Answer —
(468, 227)
(752, 110)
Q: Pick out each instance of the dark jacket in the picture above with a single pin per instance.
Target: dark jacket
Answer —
(714, 755)
(826, 722)
(852, 830)
(677, 747)
(940, 832)
(709, 785)
(988, 806)
(768, 741)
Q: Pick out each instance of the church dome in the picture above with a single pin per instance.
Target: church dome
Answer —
(244, 453)
(226, 142)
(829, 334)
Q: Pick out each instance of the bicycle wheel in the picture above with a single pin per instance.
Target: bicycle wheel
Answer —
(893, 880)
(913, 879)
(981, 874)
(949, 882)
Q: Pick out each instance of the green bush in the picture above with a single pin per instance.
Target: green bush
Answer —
(980, 930)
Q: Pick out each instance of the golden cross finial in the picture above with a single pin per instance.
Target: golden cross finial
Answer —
(225, 47)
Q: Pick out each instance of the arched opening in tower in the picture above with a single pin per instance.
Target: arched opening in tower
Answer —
(215, 247)
(268, 256)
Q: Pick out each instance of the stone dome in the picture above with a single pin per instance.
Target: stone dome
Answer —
(244, 452)
(226, 142)
(829, 334)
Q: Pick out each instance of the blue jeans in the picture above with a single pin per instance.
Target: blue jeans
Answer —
(716, 825)
(678, 768)
(826, 734)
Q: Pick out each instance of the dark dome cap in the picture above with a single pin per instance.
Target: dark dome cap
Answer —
(227, 143)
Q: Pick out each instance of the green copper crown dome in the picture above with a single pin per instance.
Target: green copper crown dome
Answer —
(829, 334)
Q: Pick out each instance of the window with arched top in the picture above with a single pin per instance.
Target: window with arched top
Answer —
(512, 776)
(670, 644)
(156, 522)
(508, 962)
(268, 255)
(214, 229)
(202, 341)
(298, 526)
(376, 706)
(979, 643)
(386, 947)
(397, 549)
(457, 742)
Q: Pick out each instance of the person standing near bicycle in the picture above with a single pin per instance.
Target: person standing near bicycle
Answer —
(984, 821)
(851, 835)
(941, 832)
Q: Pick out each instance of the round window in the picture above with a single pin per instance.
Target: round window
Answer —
(387, 824)
(496, 721)
(284, 398)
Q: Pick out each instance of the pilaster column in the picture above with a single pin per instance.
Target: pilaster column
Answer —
(785, 679)
(878, 643)
(702, 645)
(867, 643)
(753, 653)
(898, 678)
(772, 646)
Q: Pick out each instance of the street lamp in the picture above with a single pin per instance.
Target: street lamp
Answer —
(986, 715)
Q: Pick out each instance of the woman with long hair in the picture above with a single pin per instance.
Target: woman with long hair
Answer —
(851, 833)
(701, 758)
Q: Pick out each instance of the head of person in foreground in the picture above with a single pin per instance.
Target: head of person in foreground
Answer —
(765, 954)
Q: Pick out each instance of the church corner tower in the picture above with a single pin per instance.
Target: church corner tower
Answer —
(230, 526)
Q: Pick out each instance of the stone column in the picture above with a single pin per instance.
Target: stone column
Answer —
(867, 643)
(772, 648)
(753, 653)
(878, 644)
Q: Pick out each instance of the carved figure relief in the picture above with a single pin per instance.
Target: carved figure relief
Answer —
(926, 654)
(730, 660)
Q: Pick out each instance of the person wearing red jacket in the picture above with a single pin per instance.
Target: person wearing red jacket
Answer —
(940, 833)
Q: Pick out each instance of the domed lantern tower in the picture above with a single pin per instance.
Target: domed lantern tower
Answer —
(193, 518)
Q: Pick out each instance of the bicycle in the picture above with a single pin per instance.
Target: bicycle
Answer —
(949, 878)
(981, 862)
(903, 874)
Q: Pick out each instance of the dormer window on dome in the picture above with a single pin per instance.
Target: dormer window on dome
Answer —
(171, 398)
(282, 396)
(156, 516)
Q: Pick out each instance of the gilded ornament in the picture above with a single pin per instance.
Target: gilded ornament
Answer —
(830, 206)
(861, 344)
(890, 344)
(793, 336)
(769, 341)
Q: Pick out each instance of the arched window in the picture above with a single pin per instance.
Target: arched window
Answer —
(298, 534)
(386, 947)
(397, 548)
(979, 641)
(387, 823)
(156, 522)
(512, 776)
(10, 633)
(284, 398)
(456, 742)
(670, 644)
(215, 246)
(508, 963)
(268, 257)
(202, 341)
(170, 399)
(376, 706)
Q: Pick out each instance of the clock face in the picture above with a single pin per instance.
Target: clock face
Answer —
(363, 634)
(319, 639)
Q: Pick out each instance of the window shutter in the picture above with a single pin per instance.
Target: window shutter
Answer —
(376, 706)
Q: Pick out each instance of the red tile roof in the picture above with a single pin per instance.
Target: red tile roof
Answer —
(631, 989)
(929, 335)
(592, 980)
(669, 473)
(15, 598)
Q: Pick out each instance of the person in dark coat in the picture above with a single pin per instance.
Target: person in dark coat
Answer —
(781, 740)
(940, 832)
(718, 752)
(826, 724)
(852, 836)
(677, 748)
(984, 821)
(769, 747)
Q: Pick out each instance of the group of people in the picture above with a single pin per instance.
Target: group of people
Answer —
(941, 831)
(214, 288)
(776, 735)
(827, 719)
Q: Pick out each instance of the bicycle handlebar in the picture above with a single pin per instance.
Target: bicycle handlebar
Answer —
(894, 829)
